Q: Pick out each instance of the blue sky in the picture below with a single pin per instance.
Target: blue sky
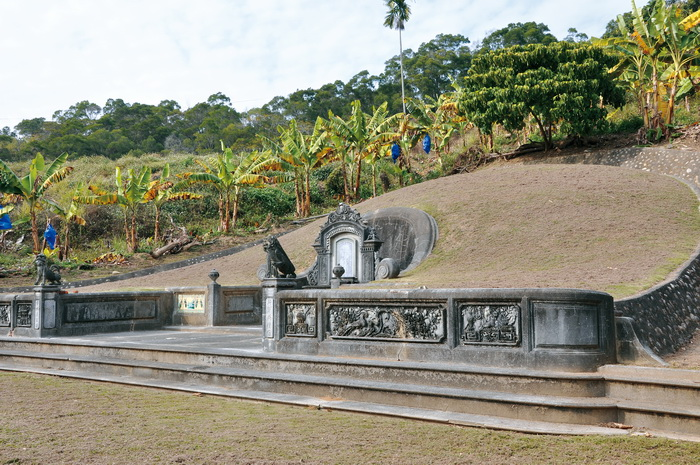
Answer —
(58, 52)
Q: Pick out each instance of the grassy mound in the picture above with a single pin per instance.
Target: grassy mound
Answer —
(580, 226)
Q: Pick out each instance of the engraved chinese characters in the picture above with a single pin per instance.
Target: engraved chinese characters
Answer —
(490, 324)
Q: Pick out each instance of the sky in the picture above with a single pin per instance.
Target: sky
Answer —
(56, 53)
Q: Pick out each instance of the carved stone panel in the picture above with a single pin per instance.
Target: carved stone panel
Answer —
(490, 324)
(5, 308)
(24, 315)
(301, 319)
(107, 311)
(420, 322)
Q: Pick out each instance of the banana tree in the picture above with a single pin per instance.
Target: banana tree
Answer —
(69, 214)
(361, 135)
(229, 175)
(132, 191)
(160, 193)
(656, 58)
(681, 37)
(32, 187)
(299, 155)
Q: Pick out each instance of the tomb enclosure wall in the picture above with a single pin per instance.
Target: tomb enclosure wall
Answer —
(563, 329)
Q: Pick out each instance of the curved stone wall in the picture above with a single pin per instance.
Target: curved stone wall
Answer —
(667, 315)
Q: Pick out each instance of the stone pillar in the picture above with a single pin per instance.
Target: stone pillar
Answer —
(273, 316)
(45, 317)
(214, 299)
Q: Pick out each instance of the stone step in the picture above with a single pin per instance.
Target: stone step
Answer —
(649, 384)
(653, 398)
(438, 416)
(578, 410)
(506, 380)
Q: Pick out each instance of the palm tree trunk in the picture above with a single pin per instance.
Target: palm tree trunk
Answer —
(357, 178)
(134, 237)
(346, 184)
(403, 93)
(236, 197)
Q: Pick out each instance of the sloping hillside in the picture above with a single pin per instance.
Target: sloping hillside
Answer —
(582, 226)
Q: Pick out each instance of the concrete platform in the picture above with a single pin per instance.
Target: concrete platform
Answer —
(229, 361)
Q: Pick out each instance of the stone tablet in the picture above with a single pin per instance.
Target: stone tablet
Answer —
(409, 234)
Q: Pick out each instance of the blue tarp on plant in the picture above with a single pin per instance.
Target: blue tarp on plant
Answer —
(426, 144)
(5, 222)
(395, 152)
(50, 236)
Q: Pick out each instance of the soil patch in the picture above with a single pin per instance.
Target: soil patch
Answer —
(581, 226)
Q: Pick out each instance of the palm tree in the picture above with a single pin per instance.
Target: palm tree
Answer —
(360, 136)
(396, 17)
(32, 187)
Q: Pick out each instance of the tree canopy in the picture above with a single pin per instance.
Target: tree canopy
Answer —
(563, 83)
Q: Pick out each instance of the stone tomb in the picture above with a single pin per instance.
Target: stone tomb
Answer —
(378, 245)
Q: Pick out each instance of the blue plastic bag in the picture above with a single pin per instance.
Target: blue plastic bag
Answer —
(5, 222)
(426, 144)
(395, 151)
(50, 236)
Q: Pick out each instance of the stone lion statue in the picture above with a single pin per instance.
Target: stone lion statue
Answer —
(45, 273)
(278, 264)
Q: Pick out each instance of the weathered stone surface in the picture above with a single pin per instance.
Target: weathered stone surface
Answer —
(565, 329)
(408, 234)
(409, 322)
(490, 324)
(105, 311)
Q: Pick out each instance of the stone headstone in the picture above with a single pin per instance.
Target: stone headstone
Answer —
(409, 235)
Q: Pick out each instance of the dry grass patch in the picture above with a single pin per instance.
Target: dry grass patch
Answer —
(58, 421)
(572, 226)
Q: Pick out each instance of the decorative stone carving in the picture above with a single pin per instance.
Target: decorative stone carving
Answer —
(301, 319)
(490, 324)
(415, 322)
(110, 311)
(278, 263)
(44, 272)
(345, 239)
(388, 268)
(344, 213)
(24, 315)
(5, 313)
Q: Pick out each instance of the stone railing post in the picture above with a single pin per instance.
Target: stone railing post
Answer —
(213, 300)
(45, 318)
(272, 315)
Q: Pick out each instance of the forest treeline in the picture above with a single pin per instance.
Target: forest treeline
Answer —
(117, 128)
(346, 141)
